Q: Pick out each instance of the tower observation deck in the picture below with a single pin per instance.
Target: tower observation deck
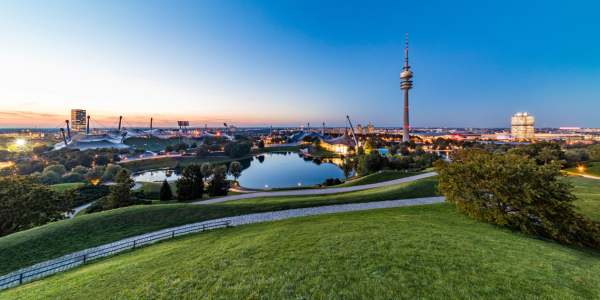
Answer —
(406, 85)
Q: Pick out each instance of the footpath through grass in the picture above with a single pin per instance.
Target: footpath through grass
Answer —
(594, 170)
(53, 240)
(416, 252)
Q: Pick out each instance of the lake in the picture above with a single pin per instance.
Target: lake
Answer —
(271, 170)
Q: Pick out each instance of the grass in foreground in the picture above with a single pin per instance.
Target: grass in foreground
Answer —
(418, 252)
(53, 240)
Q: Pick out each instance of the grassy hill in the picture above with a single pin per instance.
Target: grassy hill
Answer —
(53, 240)
(425, 252)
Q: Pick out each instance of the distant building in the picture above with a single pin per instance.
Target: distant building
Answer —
(358, 129)
(78, 119)
(522, 126)
(370, 129)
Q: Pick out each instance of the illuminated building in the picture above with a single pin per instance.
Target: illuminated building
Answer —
(78, 119)
(522, 126)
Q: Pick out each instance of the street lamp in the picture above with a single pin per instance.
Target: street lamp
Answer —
(580, 170)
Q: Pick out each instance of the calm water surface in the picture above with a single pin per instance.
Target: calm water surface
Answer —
(272, 170)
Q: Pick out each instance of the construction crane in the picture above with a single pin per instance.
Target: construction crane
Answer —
(352, 129)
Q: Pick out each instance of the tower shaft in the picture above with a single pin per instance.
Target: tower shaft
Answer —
(405, 126)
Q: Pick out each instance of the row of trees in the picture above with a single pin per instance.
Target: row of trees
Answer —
(191, 186)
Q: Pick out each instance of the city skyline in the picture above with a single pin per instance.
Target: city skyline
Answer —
(288, 64)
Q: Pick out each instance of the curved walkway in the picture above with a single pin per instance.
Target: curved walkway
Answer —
(319, 191)
(70, 260)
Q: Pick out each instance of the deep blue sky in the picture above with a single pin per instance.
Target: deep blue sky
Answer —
(286, 63)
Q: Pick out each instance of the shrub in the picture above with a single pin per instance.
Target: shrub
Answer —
(513, 191)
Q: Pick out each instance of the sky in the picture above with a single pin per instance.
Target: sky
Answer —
(289, 63)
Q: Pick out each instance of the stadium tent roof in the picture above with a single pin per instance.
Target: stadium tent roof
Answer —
(342, 140)
(85, 145)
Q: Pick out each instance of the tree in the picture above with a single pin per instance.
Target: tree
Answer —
(206, 170)
(113, 170)
(261, 144)
(25, 204)
(168, 148)
(235, 169)
(101, 160)
(360, 151)
(80, 170)
(120, 192)
(201, 151)
(124, 151)
(595, 152)
(165, 193)
(370, 163)
(190, 186)
(40, 149)
(218, 185)
(370, 145)
(194, 145)
(513, 191)
(49, 178)
(139, 151)
(419, 151)
(317, 144)
(180, 147)
(58, 169)
(347, 166)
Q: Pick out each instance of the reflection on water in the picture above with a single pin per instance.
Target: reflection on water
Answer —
(271, 170)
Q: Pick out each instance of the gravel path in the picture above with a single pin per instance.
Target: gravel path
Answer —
(74, 259)
(319, 191)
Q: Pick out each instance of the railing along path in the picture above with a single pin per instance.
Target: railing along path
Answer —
(74, 259)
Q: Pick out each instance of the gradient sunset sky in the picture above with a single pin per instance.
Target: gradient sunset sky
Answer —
(287, 63)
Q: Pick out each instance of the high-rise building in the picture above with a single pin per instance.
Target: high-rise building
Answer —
(78, 119)
(406, 85)
(522, 126)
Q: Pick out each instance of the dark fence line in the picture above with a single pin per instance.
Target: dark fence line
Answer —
(26, 275)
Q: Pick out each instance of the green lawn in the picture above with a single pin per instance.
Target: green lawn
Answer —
(594, 170)
(418, 252)
(53, 240)
(65, 186)
(588, 192)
